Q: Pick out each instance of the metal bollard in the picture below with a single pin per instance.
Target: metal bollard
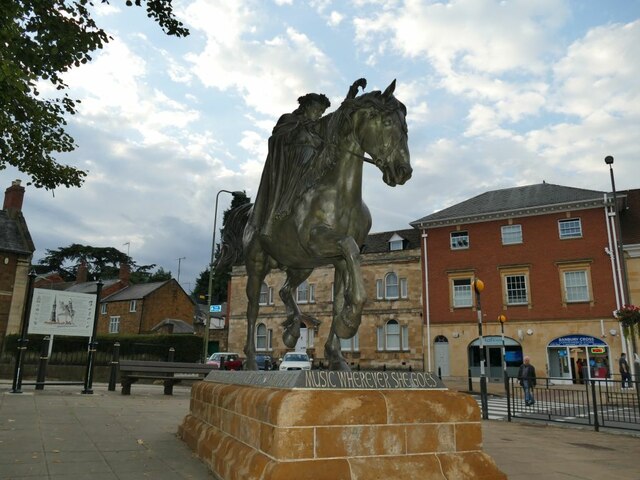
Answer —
(470, 381)
(172, 354)
(440, 373)
(115, 364)
(42, 366)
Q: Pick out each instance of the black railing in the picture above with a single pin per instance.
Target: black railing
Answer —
(596, 402)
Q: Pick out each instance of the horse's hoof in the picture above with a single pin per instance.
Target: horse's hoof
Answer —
(345, 331)
(289, 339)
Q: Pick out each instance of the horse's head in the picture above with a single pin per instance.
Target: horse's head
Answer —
(380, 127)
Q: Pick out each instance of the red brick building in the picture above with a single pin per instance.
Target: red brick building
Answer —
(16, 251)
(542, 253)
(139, 308)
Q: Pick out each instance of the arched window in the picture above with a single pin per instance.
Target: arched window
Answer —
(263, 337)
(391, 285)
(441, 339)
(393, 337)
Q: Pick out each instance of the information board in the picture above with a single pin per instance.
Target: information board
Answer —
(62, 313)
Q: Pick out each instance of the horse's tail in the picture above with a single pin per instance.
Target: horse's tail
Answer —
(231, 248)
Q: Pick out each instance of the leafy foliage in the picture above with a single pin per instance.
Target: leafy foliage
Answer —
(40, 40)
(101, 262)
(629, 318)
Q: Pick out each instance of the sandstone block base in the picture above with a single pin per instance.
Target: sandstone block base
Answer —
(257, 433)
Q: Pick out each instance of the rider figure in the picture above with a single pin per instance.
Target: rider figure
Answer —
(293, 144)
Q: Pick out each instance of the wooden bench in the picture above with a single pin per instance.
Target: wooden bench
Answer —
(170, 372)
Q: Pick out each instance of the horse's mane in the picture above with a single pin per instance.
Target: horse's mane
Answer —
(339, 123)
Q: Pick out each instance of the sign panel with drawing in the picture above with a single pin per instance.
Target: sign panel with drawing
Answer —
(62, 313)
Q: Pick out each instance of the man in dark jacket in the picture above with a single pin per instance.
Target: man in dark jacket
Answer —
(625, 373)
(527, 377)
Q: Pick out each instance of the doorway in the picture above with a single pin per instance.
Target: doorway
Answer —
(303, 341)
(441, 352)
(493, 354)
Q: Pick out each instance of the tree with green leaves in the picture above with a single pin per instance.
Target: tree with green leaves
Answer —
(40, 40)
(220, 278)
(101, 263)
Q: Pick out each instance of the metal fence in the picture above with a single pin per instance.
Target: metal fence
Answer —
(597, 403)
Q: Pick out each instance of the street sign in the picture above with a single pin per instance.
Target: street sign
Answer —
(215, 308)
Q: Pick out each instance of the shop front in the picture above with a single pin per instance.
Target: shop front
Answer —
(575, 358)
(493, 347)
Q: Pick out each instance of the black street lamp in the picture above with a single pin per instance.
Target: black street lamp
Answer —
(478, 286)
(205, 345)
(621, 264)
(502, 319)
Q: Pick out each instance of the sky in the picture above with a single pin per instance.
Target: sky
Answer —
(499, 94)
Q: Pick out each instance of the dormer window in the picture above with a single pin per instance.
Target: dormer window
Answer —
(396, 242)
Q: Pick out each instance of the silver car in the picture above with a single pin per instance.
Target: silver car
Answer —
(295, 361)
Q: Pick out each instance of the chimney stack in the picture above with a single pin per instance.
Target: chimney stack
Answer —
(82, 272)
(125, 273)
(13, 197)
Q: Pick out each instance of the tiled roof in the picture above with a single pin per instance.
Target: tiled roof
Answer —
(135, 292)
(379, 242)
(179, 326)
(14, 234)
(517, 201)
(90, 287)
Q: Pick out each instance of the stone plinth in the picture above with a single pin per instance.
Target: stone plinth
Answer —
(248, 432)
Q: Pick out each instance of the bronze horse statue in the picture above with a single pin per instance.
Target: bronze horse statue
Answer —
(327, 221)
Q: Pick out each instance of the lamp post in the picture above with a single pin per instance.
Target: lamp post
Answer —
(622, 266)
(478, 286)
(503, 318)
(205, 342)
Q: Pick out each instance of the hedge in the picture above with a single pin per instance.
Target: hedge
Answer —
(188, 348)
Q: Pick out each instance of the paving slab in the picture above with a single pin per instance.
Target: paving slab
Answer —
(60, 434)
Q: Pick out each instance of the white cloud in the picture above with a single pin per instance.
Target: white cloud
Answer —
(600, 73)
(263, 72)
(335, 18)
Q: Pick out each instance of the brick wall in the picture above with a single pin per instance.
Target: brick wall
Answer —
(8, 264)
(540, 252)
(168, 301)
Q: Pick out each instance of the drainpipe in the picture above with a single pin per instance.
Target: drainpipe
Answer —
(427, 314)
(615, 273)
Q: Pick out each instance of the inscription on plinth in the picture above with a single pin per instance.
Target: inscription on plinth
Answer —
(325, 379)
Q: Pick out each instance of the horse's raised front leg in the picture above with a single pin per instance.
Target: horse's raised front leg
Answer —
(332, 349)
(346, 320)
(257, 269)
(294, 317)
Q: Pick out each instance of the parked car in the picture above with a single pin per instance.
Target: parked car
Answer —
(295, 361)
(265, 362)
(225, 361)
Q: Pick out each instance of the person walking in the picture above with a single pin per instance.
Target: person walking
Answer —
(527, 377)
(625, 373)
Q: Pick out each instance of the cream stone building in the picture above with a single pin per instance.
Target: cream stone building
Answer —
(391, 333)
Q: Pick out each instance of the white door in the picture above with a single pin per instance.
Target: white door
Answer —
(303, 341)
(441, 351)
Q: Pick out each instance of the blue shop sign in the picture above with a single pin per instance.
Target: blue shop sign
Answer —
(577, 341)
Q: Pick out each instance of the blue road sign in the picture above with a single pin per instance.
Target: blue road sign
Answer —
(215, 308)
